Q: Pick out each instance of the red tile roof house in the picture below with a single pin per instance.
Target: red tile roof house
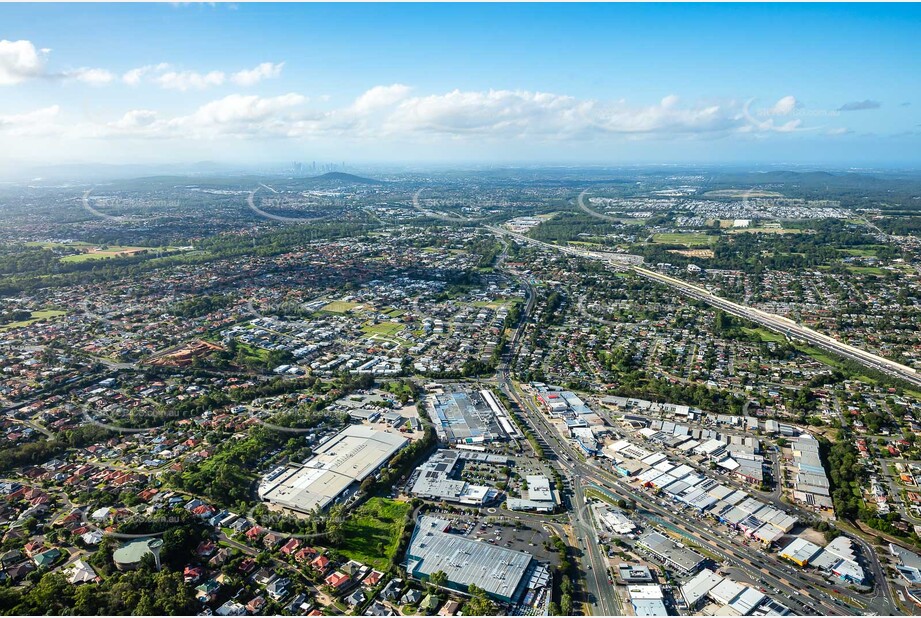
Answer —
(70, 517)
(338, 580)
(373, 578)
(192, 574)
(290, 547)
(320, 564)
(255, 605)
(16, 495)
(305, 553)
(254, 533)
(33, 547)
(204, 511)
(147, 494)
(33, 493)
(205, 548)
(247, 566)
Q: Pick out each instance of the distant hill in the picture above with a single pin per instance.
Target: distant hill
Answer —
(342, 177)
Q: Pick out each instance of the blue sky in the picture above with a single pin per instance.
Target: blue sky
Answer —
(496, 83)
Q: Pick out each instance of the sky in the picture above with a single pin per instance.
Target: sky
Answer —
(829, 84)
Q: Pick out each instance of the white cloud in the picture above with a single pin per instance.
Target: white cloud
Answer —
(241, 109)
(784, 106)
(251, 77)
(134, 76)
(37, 122)
(165, 77)
(189, 80)
(136, 118)
(380, 97)
(670, 101)
(93, 77)
(20, 61)
(553, 116)
(391, 112)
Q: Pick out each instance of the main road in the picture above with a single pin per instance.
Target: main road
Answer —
(599, 591)
(808, 592)
(796, 588)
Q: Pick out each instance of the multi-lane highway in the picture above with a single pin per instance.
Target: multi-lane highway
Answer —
(772, 321)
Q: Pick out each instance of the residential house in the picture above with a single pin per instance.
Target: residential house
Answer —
(337, 580)
(256, 605)
(356, 598)
(278, 588)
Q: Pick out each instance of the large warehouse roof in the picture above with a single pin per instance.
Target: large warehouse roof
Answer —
(348, 457)
(497, 570)
(465, 418)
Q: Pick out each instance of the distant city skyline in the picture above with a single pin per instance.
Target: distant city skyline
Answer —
(830, 84)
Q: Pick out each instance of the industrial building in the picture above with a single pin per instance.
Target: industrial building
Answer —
(634, 573)
(810, 485)
(734, 599)
(541, 498)
(647, 600)
(799, 551)
(337, 469)
(435, 480)
(469, 418)
(666, 551)
(613, 519)
(838, 558)
(685, 485)
(909, 564)
(506, 575)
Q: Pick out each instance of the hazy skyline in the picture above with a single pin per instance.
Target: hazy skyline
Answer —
(607, 84)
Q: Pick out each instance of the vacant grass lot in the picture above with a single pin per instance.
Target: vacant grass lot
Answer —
(693, 239)
(865, 251)
(496, 304)
(387, 329)
(36, 316)
(764, 230)
(372, 533)
(765, 335)
(339, 306)
(866, 270)
(102, 254)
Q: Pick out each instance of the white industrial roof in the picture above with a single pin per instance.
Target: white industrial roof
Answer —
(699, 586)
